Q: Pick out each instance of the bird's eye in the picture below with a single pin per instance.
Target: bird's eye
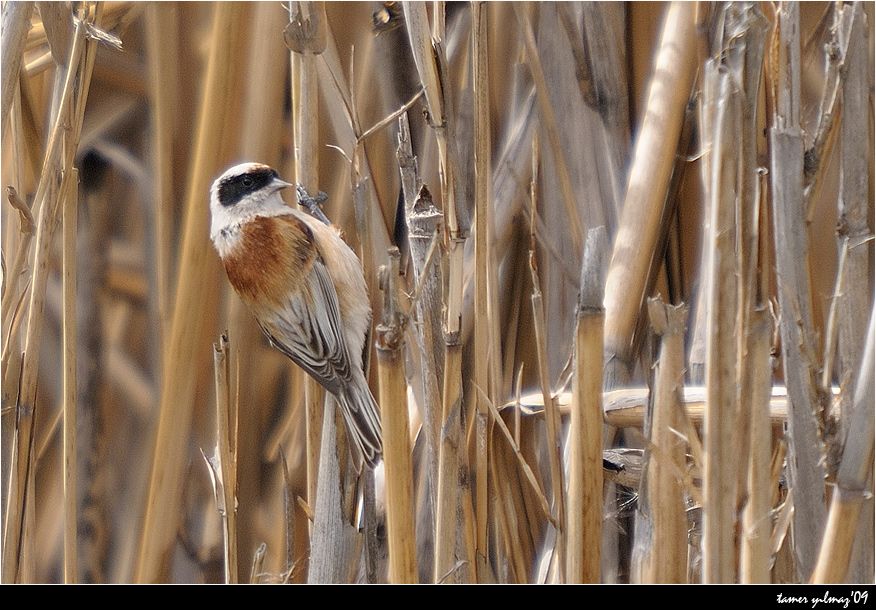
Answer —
(247, 181)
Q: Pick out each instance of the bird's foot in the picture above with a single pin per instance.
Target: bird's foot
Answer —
(313, 204)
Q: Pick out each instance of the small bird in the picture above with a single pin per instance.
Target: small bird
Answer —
(305, 287)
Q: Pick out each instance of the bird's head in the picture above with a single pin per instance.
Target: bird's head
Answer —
(243, 192)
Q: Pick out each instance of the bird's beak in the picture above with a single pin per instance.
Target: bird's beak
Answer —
(278, 184)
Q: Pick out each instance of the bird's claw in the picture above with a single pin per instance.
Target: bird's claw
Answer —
(313, 204)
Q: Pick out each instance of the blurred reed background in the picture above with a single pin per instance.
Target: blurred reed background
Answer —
(626, 335)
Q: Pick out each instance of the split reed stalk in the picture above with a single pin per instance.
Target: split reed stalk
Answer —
(333, 538)
(450, 516)
(396, 430)
(196, 288)
(855, 472)
(666, 559)
(805, 450)
(423, 223)
(70, 389)
(226, 453)
(584, 540)
(649, 174)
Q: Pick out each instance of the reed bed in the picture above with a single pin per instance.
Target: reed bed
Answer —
(619, 257)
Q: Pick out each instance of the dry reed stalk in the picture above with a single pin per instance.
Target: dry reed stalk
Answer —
(258, 562)
(223, 463)
(625, 408)
(396, 431)
(853, 203)
(549, 117)
(16, 23)
(71, 344)
(604, 30)
(62, 144)
(754, 565)
(305, 18)
(428, 55)
(805, 460)
(423, 223)
(333, 538)
(552, 419)
(585, 426)
(744, 33)
(662, 556)
(265, 96)
(853, 479)
(10, 278)
(719, 558)
(196, 287)
(161, 42)
(817, 155)
(853, 198)
(651, 167)
(487, 351)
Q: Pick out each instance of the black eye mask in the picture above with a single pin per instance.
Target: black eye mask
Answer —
(235, 188)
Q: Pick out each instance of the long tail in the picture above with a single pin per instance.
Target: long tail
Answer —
(362, 416)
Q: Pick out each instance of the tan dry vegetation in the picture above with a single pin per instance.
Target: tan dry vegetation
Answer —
(636, 233)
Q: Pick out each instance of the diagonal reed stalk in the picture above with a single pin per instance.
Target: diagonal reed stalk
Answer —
(648, 181)
(196, 286)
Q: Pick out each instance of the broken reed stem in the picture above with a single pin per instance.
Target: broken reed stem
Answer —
(806, 469)
(584, 535)
(552, 420)
(667, 560)
(226, 444)
(70, 342)
(396, 430)
(16, 23)
(63, 138)
(305, 124)
(196, 288)
(427, 54)
(333, 539)
(852, 482)
(650, 171)
(757, 521)
(424, 223)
